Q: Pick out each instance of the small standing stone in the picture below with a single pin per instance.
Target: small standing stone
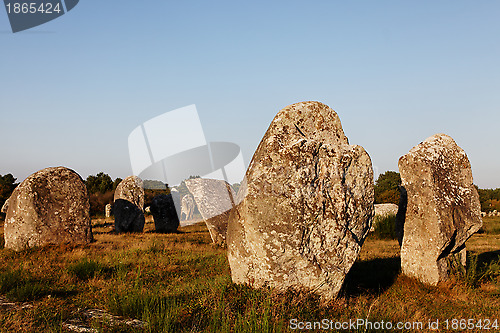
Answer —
(108, 210)
(129, 205)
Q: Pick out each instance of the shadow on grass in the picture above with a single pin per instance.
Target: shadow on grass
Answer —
(487, 258)
(103, 224)
(372, 276)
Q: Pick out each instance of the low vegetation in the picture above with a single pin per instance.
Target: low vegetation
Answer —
(384, 227)
(181, 283)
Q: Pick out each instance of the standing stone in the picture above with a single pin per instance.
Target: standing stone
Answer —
(128, 217)
(107, 210)
(164, 213)
(442, 209)
(306, 205)
(49, 207)
(214, 199)
(187, 207)
(176, 196)
(128, 205)
(131, 189)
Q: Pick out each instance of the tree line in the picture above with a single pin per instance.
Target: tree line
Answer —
(101, 188)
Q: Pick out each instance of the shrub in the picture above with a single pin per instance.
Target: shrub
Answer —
(478, 271)
(385, 227)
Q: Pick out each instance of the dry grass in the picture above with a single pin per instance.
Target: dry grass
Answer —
(181, 283)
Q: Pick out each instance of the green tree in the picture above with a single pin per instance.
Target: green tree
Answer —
(116, 182)
(101, 183)
(386, 187)
(7, 186)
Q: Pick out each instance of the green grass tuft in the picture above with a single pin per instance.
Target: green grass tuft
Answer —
(385, 227)
(85, 269)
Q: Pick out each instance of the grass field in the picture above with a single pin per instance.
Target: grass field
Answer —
(181, 283)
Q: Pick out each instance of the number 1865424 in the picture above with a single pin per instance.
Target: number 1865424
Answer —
(33, 8)
(469, 324)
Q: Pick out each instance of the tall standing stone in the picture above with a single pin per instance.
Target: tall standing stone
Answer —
(306, 204)
(49, 207)
(214, 199)
(442, 209)
(129, 205)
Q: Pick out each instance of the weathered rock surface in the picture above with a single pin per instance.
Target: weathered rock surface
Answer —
(306, 204)
(187, 207)
(132, 190)
(214, 199)
(164, 213)
(128, 206)
(128, 217)
(442, 209)
(49, 207)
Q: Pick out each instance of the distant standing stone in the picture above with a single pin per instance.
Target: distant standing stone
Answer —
(214, 199)
(107, 210)
(129, 204)
(187, 207)
(49, 207)
(442, 209)
(306, 205)
(164, 213)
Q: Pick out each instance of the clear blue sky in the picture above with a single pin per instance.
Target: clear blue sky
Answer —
(396, 72)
